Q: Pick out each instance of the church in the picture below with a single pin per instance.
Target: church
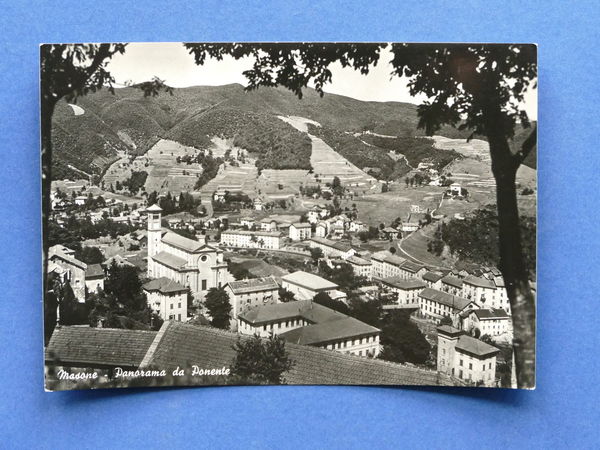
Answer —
(194, 264)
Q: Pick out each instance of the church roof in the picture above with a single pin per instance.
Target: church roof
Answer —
(181, 242)
(169, 260)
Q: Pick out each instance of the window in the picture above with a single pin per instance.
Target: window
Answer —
(470, 366)
(179, 317)
(460, 363)
(171, 305)
(490, 365)
(460, 374)
(203, 285)
(179, 305)
(443, 351)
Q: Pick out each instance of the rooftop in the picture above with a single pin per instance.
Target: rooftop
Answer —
(432, 276)
(85, 346)
(321, 333)
(164, 285)
(301, 225)
(94, 271)
(475, 347)
(444, 298)
(479, 282)
(253, 233)
(489, 314)
(309, 280)
(154, 208)
(182, 344)
(181, 242)
(400, 283)
(169, 260)
(452, 281)
(253, 285)
(412, 266)
(309, 310)
(358, 261)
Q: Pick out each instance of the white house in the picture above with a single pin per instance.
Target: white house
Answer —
(433, 280)
(493, 322)
(436, 305)
(322, 229)
(300, 231)
(252, 239)
(305, 285)
(247, 294)
(360, 266)
(167, 298)
(332, 249)
(455, 189)
(485, 293)
(466, 358)
(407, 290)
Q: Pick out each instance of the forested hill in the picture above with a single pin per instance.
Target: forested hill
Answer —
(126, 120)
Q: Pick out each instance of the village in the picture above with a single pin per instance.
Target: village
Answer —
(301, 266)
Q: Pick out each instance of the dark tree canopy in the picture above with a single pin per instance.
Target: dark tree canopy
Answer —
(261, 361)
(218, 306)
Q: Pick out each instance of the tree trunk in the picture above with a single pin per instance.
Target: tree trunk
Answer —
(512, 266)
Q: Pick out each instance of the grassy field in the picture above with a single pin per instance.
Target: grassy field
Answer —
(415, 247)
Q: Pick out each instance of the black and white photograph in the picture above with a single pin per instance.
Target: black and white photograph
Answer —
(289, 213)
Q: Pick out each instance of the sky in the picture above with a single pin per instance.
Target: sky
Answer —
(173, 64)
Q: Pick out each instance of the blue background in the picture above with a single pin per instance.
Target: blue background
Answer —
(561, 412)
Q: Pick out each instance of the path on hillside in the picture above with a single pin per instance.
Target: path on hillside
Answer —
(418, 240)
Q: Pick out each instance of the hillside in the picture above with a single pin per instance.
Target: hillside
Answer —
(127, 122)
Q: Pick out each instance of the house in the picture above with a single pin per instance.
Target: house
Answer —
(356, 226)
(455, 189)
(433, 280)
(389, 233)
(306, 285)
(332, 249)
(192, 263)
(493, 322)
(452, 285)
(309, 323)
(219, 196)
(410, 269)
(360, 266)
(485, 292)
(436, 305)
(466, 358)
(80, 200)
(94, 278)
(247, 294)
(72, 270)
(386, 265)
(300, 231)
(252, 239)
(407, 290)
(314, 214)
(322, 229)
(268, 224)
(247, 222)
(336, 231)
(167, 298)
(183, 345)
(258, 204)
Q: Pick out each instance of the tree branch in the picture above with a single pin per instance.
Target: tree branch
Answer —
(526, 147)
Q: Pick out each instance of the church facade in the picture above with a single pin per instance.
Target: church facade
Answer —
(192, 263)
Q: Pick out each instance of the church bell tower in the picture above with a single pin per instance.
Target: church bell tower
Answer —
(154, 229)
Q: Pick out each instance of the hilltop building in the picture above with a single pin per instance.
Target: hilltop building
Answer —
(193, 264)
(466, 358)
(305, 285)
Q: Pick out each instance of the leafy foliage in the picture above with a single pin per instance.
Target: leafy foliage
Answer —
(403, 341)
(218, 306)
(475, 239)
(90, 255)
(323, 299)
(261, 361)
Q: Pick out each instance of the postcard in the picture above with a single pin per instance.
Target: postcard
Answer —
(289, 213)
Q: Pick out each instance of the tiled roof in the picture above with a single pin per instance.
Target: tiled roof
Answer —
(164, 285)
(253, 285)
(169, 260)
(468, 344)
(309, 281)
(432, 276)
(389, 230)
(400, 283)
(154, 208)
(412, 266)
(358, 261)
(311, 311)
(176, 240)
(52, 254)
(483, 314)
(330, 331)
(253, 233)
(85, 346)
(452, 281)
(301, 225)
(444, 298)
(479, 282)
(94, 271)
(183, 345)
